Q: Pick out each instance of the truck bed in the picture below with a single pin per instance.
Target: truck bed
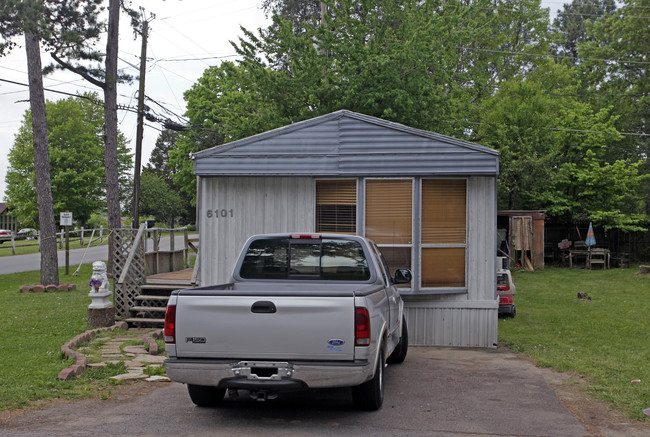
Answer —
(268, 322)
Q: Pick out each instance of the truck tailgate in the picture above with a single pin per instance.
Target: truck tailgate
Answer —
(265, 327)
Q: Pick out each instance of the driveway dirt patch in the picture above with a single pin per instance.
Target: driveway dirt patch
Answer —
(597, 416)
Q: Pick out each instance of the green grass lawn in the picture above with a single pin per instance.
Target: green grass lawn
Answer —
(605, 339)
(34, 326)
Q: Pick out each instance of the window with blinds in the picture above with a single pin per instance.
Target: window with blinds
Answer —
(389, 206)
(443, 211)
(443, 267)
(444, 232)
(336, 206)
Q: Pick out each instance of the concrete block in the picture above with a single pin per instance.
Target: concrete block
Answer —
(77, 369)
(81, 359)
(101, 317)
(67, 374)
(69, 353)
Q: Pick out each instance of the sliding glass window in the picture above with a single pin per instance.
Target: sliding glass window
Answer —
(389, 219)
(444, 233)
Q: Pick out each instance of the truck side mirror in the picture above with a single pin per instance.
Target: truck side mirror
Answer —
(402, 276)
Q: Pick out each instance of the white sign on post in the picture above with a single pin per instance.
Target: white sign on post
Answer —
(66, 219)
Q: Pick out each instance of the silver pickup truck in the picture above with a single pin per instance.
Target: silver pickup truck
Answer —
(302, 311)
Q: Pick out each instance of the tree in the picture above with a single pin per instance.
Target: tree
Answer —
(298, 12)
(555, 151)
(158, 199)
(43, 21)
(615, 71)
(570, 25)
(49, 259)
(159, 166)
(76, 160)
(609, 194)
(159, 160)
(110, 129)
(71, 51)
(424, 64)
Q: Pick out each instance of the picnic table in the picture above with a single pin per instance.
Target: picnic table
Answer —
(594, 256)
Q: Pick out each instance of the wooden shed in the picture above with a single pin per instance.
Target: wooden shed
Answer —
(427, 200)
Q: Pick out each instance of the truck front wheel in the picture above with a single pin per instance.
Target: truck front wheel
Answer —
(370, 395)
(205, 396)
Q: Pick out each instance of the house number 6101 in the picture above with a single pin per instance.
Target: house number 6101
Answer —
(217, 213)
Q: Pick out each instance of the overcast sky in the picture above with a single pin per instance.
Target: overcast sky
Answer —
(186, 37)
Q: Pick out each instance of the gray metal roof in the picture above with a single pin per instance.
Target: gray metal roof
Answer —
(346, 143)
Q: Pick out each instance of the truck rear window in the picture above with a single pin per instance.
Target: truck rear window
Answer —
(326, 259)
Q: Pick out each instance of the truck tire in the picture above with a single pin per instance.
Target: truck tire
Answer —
(370, 395)
(399, 354)
(205, 396)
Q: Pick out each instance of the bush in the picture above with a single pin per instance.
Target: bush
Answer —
(96, 220)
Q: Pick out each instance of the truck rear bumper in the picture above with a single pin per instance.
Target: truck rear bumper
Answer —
(268, 375)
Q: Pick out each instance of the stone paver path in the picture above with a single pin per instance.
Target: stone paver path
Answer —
(136, 358)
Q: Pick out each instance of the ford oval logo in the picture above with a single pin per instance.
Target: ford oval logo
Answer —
(336, 342)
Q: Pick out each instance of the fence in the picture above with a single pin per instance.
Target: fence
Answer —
(82, 235)
(634, 246)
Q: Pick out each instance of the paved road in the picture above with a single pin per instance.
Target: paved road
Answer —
(32, 261)
(435, 392)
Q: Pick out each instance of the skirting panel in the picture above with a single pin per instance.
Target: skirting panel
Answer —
(459, 326)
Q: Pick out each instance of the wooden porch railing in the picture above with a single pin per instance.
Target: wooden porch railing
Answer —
(133, 261)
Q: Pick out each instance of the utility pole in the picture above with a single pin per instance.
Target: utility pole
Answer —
(140, 127)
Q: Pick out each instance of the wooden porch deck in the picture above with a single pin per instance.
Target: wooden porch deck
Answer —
(180, 277)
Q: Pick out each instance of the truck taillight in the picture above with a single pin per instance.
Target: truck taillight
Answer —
(305, 236)
(170, 324)
(361, 327)
(503, 288)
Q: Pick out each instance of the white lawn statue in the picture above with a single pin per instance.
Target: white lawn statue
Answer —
(99, 287)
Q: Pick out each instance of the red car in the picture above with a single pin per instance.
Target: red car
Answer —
(5, 235)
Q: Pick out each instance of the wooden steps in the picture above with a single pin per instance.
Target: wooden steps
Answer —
(138, 322)
(151, 303)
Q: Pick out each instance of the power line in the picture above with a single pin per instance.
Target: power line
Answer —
(599, 132)
(49, 90)
(565, 2)
(559, 129)
(207, 58)
(506, 52)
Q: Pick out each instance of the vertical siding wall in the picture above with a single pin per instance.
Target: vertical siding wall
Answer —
(441, 323)
(287, 204)
(242, 206)
(470, 319)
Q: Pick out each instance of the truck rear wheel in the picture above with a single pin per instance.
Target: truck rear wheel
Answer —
(205, 396)
(370, 395)
(399, 354)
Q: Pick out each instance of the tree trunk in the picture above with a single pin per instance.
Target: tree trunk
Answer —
(110, 129)
(49, 260)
